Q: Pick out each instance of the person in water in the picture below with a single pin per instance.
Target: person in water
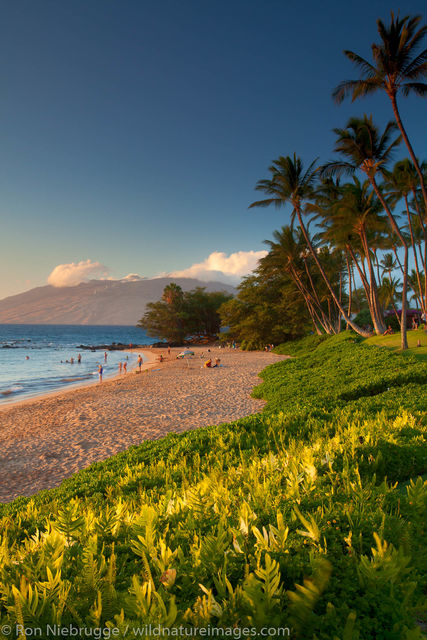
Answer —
(125, 367)
(79, 358)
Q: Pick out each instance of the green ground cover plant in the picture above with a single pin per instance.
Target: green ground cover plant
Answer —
(310, 515)
(414, 337)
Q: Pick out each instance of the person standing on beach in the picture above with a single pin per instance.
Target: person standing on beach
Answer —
(139, 362)
(120, 367)
(100, 372)
(169, 349)
(125, 367)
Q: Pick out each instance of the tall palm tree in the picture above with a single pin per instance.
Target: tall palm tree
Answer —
(354, 222)
(401, 182)
(365, 149)
(288, 252)
(291, 183)
(389, 292)
(388, 264)
(398, 66)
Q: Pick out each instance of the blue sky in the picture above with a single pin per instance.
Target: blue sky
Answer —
(133, 133)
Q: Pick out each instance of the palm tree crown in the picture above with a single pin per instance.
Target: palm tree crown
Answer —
(364, 147)
(290, 182)
(398, 64)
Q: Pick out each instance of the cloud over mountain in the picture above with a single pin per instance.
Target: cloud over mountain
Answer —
(218, 265)
(73, 273)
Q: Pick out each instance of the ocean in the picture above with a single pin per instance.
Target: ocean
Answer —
(33, 358)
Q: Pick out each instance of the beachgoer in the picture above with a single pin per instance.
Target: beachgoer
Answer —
(71, 360)
(388, 332)
(208, 364)
(79, 358)
(100, 372)
(105, 356)
(120, 367)
(139, 363)
(125, 367)
(217, 361)
(169, 349)
(27, 357)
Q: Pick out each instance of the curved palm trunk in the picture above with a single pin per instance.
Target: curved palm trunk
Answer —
(350, 291)
(417, 270)
(377, 318)
(348, 320)
(423, 256)
(408, 144)
(394, 226)
(317, 314)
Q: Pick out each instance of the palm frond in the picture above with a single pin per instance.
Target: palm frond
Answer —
(336, 168)
(419, 88)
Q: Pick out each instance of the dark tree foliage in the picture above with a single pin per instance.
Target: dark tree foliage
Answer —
(267, 309)
(180, 314)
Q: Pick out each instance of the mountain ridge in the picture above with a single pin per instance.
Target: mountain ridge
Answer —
(96, 302)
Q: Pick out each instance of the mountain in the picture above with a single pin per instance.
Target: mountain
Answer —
(97, 302)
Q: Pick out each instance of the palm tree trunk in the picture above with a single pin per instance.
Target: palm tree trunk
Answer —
(377, 315)
(349, 287)
(408, 144)
(417, 271)
(423, 257)
(312, 304)
(394, 226)
(352, 324)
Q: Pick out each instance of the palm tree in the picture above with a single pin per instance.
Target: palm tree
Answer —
(398, 66)
(291, 183)
(388, 264)
(288, 253)
(365, 149)
(389, 292)
(401, 182)
(353, 221)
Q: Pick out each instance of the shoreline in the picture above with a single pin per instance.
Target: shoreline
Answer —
(70, 387)
(45, 440)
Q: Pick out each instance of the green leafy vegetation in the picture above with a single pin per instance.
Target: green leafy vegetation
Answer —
(414, 337)
(180, 314)
(309, 515)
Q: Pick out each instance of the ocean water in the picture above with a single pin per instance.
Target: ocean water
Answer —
(33, 357)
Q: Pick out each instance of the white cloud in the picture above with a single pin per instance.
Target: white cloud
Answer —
(132, 277)
(219, 266)
(68, 275)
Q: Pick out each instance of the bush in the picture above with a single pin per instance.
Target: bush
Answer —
(291, 517)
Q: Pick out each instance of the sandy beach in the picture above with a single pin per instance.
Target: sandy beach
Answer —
(45, 440)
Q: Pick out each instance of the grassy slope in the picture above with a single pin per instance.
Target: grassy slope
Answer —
(393, 343)
(250, 510)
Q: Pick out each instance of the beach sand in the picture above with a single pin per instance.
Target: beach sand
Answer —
(45, 440)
